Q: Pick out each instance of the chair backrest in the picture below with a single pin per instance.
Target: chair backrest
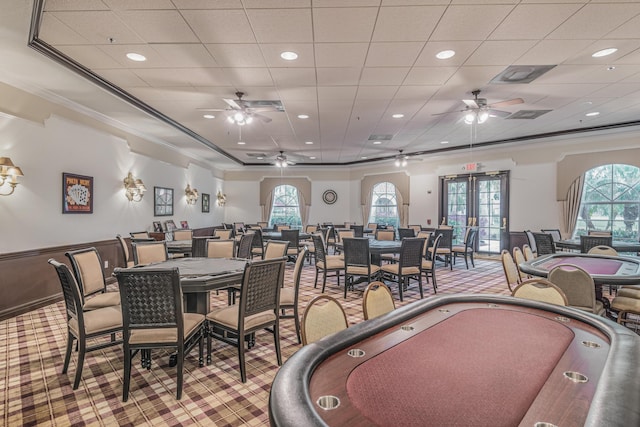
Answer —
(588, 242)
(372, 226)
(599, 233)
(358, 230)
(554, 232)
(511, 272)
(603, 250)
(257, 241)
(377, 300)
(356, 252)
(411, 253)
(528, 253)
(435, 244)
(518, 258)
(182, 235)
(225, 234)
(275, 249)
(73, 299)
(148, 252)
(293, 237)
(406, 232)
(471, 237)
(531, 240)
(218, 248)
(260, 290)
(238, 227)
(125, 251)
(576, 284)
(417, 228)
(244, 246)
(140, 235)
(199, 246)
(311, 229)
(447, 237)
(151, 299)
(323, 316)
(540, 290)
(345, 234)
(319, 247)
(87, 269)
(544, 243)
(427, 236)
(297, 273)
(385, 235)
(280, 227)
(263, 224)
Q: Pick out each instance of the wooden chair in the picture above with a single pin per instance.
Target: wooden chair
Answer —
(554, 232)
(532, 241)
(89, 274)
(466, 250)
(238, 227)
(257, 244)
(417, 228)
(310, 228)
(326, 263)
(385, 235)
(293, 237)
(599, 233)
(588, 242)
(182, 235)
(140, 235)
(226, 234)
(84, 325)
(257, 309)
(217, 248)
(544, 244)
(518, 258)
(625, 306)
(511, 272)
(377, 300)
(528, 253)
(153, 318)
(358, 230)
(406, 232)
(149, 252)
(428, 266)
(275, 249)
(342, 234)
(322, 317)
(446, 246)
(125, 252)
(538, 289)
(603, 250)
(289, 295)
(245, 245)
(199, 246)
(578, 286)
(357, 261)
(408, 265)
(263, 224)
(280, 227)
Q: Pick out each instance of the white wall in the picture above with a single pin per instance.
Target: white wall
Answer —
(32, 217)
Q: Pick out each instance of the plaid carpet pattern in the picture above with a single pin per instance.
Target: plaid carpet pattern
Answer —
(34, 392)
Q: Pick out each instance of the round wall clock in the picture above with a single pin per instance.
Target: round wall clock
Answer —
(329, 197)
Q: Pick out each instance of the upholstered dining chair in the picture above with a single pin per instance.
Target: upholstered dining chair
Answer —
(125, 252)
(310, 228)
(445, 248)
(528, 253)
(539, 289)
(357, 261)
(223, 234)
(245, 245)
(275, 249)
(263, 224)
(257, 244)
(408, 265)
(322, 317)
(511, 272)
(257, 309)
(182, 234)
(149, 252)
(217, 248)
(153, 318)
(293, 237)
(588, 242)
(385, 234)
(358, 230)
(406, 232)
(89, 274)
(466, 250)
(428, 265)
(554, 232)
(199, 246)
(82, 325)
(341, 234)
(603, 250)
(289, 295)
(578, 286)
(140, 235)
(377, 300)
(325, 263)
(544, 244)
(518, 258)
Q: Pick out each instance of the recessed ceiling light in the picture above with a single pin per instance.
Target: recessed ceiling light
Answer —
(209, 116)
(363, 157)
(604, 52)
(445, 54)
(611, 68)
(241, 142)
(136, 57)
(377, 142)
(309, 142)
(289, 56)
(303, 116)
(444, 142)
(312, 157)
(594, 113)
(398, 116)
(260, 158)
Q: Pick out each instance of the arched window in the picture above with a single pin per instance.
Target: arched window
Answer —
(286, 206)
(384, 204)
(610, 201)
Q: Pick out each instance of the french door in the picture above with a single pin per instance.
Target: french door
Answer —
(480, 200)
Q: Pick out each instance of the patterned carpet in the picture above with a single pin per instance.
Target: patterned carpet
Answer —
(34, 392)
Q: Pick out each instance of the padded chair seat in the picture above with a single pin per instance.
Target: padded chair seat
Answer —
(168, 335)
(107, 299)
(257, 250)
(629, 293)
(130, 264)
(626, 304)
(228, 317)
(461, 249)
(441, 251)
(395, 269)
(427, 264)
(352, 269)
(95, 321)
(333, 262)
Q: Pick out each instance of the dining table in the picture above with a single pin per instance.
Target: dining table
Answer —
(618, 245)
(378, 248)
(276, 235)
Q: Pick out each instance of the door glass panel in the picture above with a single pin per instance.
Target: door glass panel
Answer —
(457, 209)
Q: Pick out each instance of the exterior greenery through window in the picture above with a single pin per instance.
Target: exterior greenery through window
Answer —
(611, 202)
(286, 207)
(384, 205)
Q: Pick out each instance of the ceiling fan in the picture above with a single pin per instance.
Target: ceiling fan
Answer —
(241, 111)
(281, 160)
(478, 108)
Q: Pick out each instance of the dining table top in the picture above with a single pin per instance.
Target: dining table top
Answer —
(618, 245)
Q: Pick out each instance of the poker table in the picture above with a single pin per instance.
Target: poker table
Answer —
(604, 269)
(468, 360)
(620, 246)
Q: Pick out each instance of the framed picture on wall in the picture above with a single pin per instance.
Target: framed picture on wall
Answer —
(170, 225)
(205, 202)
(162, 201)
(157, 226)
(184, 224)
(77, 193)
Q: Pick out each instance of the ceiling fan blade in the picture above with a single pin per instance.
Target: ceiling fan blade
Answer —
(513, 101)
(498, 113)
(233, 103)
(211, 109)
(261, 117)
(449, 112)
(471, 103)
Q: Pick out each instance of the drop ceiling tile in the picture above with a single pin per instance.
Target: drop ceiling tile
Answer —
(533, 21)
(183, 76)
(552, 52)
(139, 4)
(580, 74)
(99, 26)
(125, 79)
(595, 20)
(381, 76)
(337, 93)
(220, 26)
(241, 55)
(397, 53)
(499, 52)
(429, 75)
(57, 33)
(463, 50)
(383, 93)
(272, 51)
(281, 25)
(207, 4)
(340, 54)
(344, 24)
(89, 56)
(338, 76)
(407, 23)
(53, 5)
(628, 30)
(469, 22)
(159, 26)
(288, 77)
(243, 77)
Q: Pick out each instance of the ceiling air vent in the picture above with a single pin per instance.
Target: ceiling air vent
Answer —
(518, 74)
(273, 104)
(380, 137)
(256, 155)
(528, 114)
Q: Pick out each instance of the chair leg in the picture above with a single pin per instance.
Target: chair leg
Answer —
(201, 346)
(324, 280)
(466, 262)
(315, 282)
(276, 342)
(420, 286)
(208, 333)
(296, 319)
(82, 350)
(180, 372)
(243, 373)
(400, 285)
(472, 263)
(127, 374)
(67, 355)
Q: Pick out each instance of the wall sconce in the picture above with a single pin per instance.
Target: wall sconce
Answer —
(192, 195)
(134, 188)
(222, 198)
(9, 170)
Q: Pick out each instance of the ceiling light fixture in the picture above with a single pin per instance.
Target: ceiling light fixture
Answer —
(445, 54)
(604, 52)
(479, 117)
(398, 116)
(281, 160)
(136, 57)
(444, 142)
(241, 143)
(592, 114)
(240, 118)
(209, 116)
(401, 160)
(9, 170)
(303, 116)
(312, 157)
(289, 56)
(309, 142)
(377, 142)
